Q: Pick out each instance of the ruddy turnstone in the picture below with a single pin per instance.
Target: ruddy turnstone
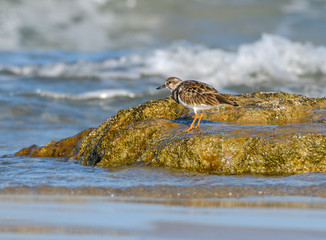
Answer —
(195, 95)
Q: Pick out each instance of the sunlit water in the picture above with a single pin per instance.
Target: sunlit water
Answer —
(38, 172)
(69, 65)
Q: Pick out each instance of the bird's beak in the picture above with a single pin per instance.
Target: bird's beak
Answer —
(163, 86)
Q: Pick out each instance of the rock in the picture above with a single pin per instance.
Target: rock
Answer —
(270, 133)
(64, 148)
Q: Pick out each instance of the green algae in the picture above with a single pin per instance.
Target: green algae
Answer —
(270, 133)
(66, 148)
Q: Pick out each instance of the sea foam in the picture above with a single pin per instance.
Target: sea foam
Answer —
(271, 63)
(90, 95)
(271, 58)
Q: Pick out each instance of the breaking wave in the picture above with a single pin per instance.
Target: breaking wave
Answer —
(272, 63)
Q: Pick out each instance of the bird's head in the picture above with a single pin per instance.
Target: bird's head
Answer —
(171, 83)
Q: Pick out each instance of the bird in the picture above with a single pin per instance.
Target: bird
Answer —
(195, 95)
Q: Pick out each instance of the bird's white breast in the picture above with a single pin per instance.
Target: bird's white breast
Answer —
(195, 107)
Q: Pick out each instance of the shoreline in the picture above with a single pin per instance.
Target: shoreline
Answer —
(40, 217)
(210, 196)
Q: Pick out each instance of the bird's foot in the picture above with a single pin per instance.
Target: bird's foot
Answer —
(192, 127)
(188, 130)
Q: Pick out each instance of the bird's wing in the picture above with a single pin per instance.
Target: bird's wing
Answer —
(198, 93)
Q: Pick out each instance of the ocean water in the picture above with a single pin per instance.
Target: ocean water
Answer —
(69, 65)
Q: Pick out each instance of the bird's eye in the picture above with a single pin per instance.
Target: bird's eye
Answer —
(169, 82)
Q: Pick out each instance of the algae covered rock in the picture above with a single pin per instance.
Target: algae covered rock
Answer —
(64, 148)
(270, 133)
(220, 154)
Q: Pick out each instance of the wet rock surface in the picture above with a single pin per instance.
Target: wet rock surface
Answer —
(270, 133)
(66, 147)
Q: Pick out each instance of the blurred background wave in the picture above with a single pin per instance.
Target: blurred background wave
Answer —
(97, 25)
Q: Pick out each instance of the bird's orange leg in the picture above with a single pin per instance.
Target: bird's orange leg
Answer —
(192, 124)
(200, 116)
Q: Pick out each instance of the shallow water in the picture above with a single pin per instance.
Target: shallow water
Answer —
(69, 65)
(57, 176)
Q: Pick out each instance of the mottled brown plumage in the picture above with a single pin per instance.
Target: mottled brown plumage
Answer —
(198, 93)
(195, 95)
